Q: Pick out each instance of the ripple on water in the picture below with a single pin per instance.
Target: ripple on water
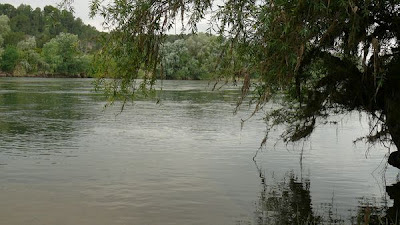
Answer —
(184, 161)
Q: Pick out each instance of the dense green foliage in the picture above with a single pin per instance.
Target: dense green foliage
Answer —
(45, 24)
(4, 28)
(44, 42)
(63, 56)
(327, 57)
(52, 41)
(29, 59)
(9, 59)
(190, 57)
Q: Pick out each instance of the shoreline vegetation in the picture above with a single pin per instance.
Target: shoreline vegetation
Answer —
(61, 76)
(50, 42)
(46, 75)
(45, 42)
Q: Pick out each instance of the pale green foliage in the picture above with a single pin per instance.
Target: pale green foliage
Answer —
(175, 59)
(192, 57)
(63, 56)
(4, 25)
(205, 50)
(27, 44)
(4, 29)
(1, 41)
(30, 60)
(51, 55)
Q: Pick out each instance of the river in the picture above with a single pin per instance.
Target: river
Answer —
(65, 159)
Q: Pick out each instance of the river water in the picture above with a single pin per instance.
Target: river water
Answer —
(65, 159)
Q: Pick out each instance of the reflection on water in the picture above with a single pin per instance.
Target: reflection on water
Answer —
(393, 212)
(287, 200)
(65, 160)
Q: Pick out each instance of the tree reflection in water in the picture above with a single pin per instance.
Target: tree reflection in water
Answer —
(393, 213)
(371, 214)
(285, 202)
(288, 201)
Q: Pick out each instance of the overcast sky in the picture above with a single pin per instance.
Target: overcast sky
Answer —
(81, 8)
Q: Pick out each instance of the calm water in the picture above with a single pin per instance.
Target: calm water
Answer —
(66, 160)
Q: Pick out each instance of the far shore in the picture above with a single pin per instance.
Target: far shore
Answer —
(2, 74)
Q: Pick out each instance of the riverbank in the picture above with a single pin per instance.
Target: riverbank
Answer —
(2, 74)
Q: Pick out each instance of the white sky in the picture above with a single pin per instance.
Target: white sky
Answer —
(81, 8)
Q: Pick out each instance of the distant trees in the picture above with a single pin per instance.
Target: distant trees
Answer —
(4, 29)
(53, 41)
(9, 59)
(63, 56)
(46, 24)
(48, 41)
(182, 57)
(190, 57)
(30, 61)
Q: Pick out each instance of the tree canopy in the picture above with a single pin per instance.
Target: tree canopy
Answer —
(46, 41)
(327, 57)
(4, 29)
(189, 57)
(44, 24)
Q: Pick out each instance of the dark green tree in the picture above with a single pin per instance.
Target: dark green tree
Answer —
(8, 10)
(9, 59)
(22, 21)
(46, 24)
(4, 29)
(37, 22)
(63, 56)
(13, 38)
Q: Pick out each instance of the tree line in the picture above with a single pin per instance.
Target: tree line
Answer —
(44, 25)
(51, 41)
(45, 42)
(181, 57)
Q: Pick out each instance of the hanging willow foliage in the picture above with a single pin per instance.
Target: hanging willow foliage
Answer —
(326, 57)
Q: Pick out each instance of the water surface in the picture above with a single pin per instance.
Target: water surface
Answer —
(66, 160)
